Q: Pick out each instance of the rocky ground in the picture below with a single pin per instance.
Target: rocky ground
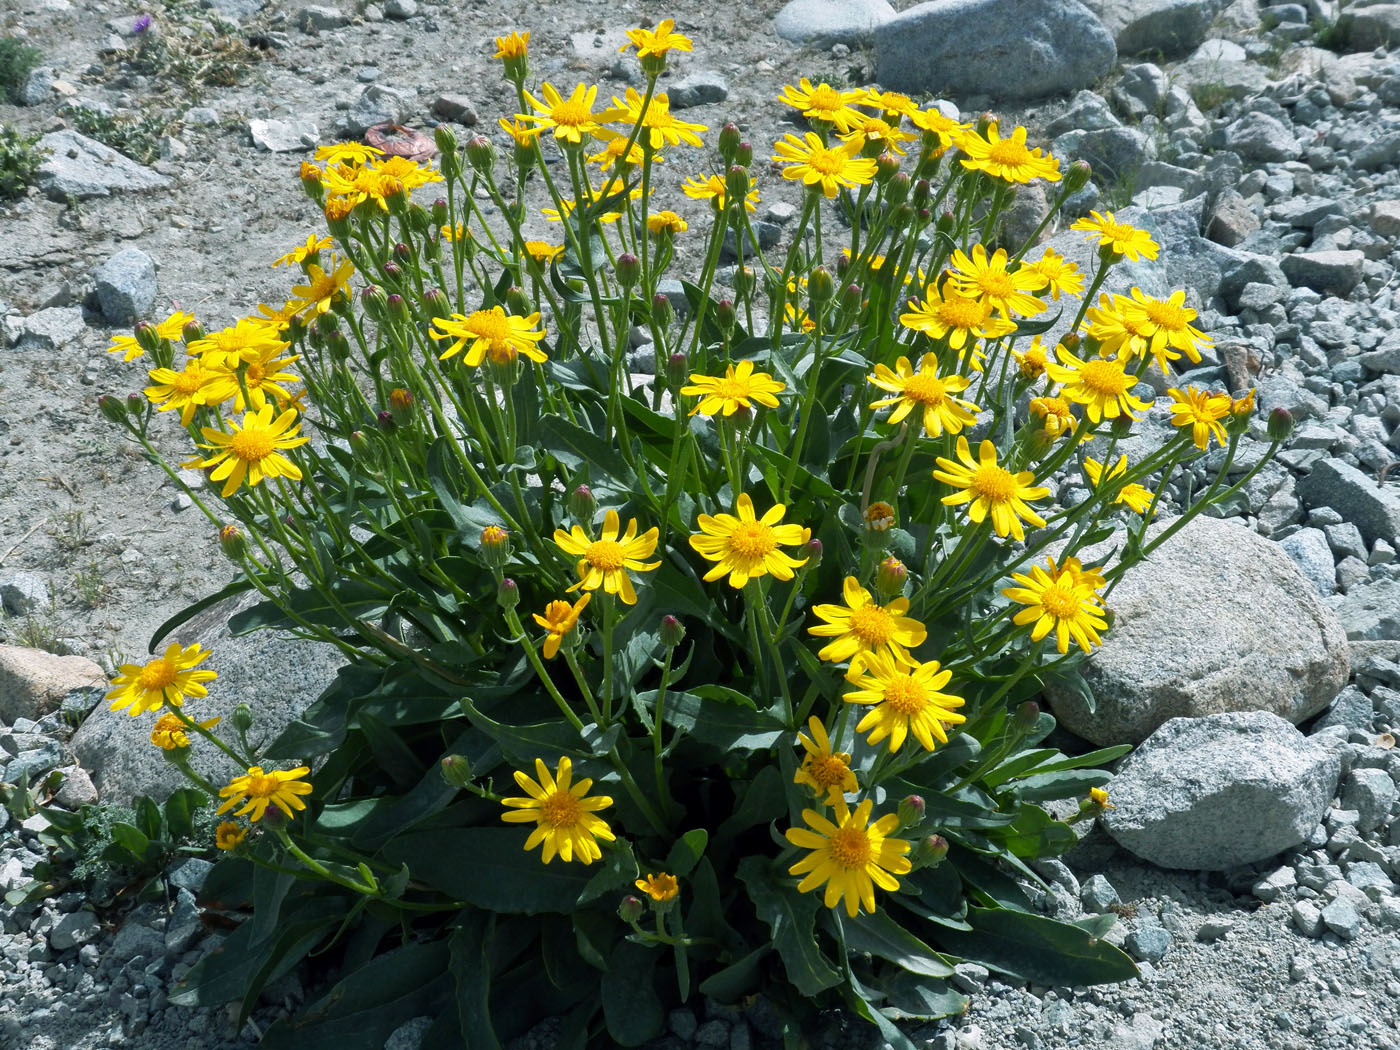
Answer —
(1265, 164)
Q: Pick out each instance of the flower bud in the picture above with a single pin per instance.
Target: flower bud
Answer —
(232, 543)
(628, 270)
(661, 312)
(820, 285)
(582, 505)
(891, 577)
(397, 309)
(359, 444)
(631, 909)
(1026, 717)
(507, 594)
(743, 156)
(985, 121)
(439, 214)
(851, 297)
(902, 218)
(923, 193)
(1280, 424)
(495, 547)
(456, 770)
(400, 405)
(911, 810)
(1070, 341)
(1121, 427)
(403, 252)
(337, 345)
(393, 273)
(930, 851)
(886, 167)
(729, 138)
(147, 337)
(374, 302)
(242, 718)
(672, 632)
(1077, 176)
(386, 421)
(136, 406)
(812, 551)
(946, 222)
(310, 176)
(112, 408)
(192, 331)
(736, 183)
(724, 314)
(446, 140)
(745, 281)
(326, 324)
(481, 155)
(879, 516)
(435, 303)
(517, 302)
(419, 220)
(677, 367)
(897, 190)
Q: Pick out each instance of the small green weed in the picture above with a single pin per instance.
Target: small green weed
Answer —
(19, 161)
(1211, 95)
(137, 137)
(17, 61)
(90, 585)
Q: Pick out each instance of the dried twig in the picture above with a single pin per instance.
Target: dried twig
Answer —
(26, 536)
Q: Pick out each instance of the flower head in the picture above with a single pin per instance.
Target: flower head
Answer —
(513, 45)
(1101, 386)
(493, 333)
(559, 619)
(941, 132)
(713, 188)
(1007, 159)
(950, 314)
(1055, 415)
(828, 773)
(1133, 495)
(822, 168)
(542, 253)
(569, 118)
(991, 489)
(278, 787)
(252, 450)
(317, 296)
(740, 386)
(849, 857)
(228, 835)
(746, 547)
(314, 246)
(666, 222)
(347, 153)
(657, 41)
(604, 562)
(987, 277)
(862, 625)
(1032, 359)
(904, 701)
(659, 125)
(243, 341)
(935, 395)
(1061, 600)
(169, 734)
(1128, 241)
(823, 103)
(1166, 326)
(1062, 277)
(261, 374)
(659, 887)
(186, 389)
(1202, 411)
(564, 817)
(170, 678)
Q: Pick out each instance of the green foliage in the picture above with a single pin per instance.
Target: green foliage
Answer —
(17, 61)
(1210, 95)
(137, 137)
(19, 161)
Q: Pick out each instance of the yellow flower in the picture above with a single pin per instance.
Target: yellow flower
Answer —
(524, 137)
(659, 222)
(1202, 411)
(1101, 386)
(1099, 797)
(313, 246)
(261, 376)
(864, 626)
(1058, 600)
(659, 126)
(656, 41)
(868, 130)
(570, 118)
(850, 857)
(1242, 407)
(925, 389)
(514, 45)
(659, 887)
(317, 296)
(169, 733)
(186, 390)
(991, 488)
(1056, 418)
(228, 835)
(250, 451)
(346, 153)
(828, 773)
(746, 547)
(1062, 277)
(244, 340)
(1133, 495)
(611, 153)
(279, 788)
(956, 317)
(906, 701)
(1128, 241)
(891, 103)
(460, 233)
(941, 132)
(490, 332)
(170, 677)
(712, 188)
(1032, 360)
(409, 172)
(1166, 325)
(740, 386)
(823, 103)
(1007, 159)
(564, 818)
(604, 562)
(879, 516)
(1006, 291)
(819, 167)
(1117, 333)
(559, 619)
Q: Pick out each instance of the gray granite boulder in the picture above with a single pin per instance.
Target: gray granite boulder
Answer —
(1171, 27)
(1353, 494)
(823, 23)
(1213, 793)
(1218, 620)
(126, 286)
(76, 166)
(34, 682)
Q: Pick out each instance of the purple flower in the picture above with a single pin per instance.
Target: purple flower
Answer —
(142, 24)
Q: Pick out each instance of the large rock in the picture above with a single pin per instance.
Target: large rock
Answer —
(1114, 153)
(1171, 27)
(1003, 48)
(1328, 272)
(376, 105)
(33, 682)
(823, 23)
(277, 675)
(1217, 620)
(1261, 137)
(1371, 613)
(1372, 27)
(1213, 793)
(1375, 510)
(50, 329)
(76, 166)
(126, 286)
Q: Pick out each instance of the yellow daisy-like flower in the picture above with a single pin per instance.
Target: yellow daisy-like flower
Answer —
(1133, 495)
(1090, 578)
(615, 144)
(313, 246)
(1117, 333)
(251, 451)
(889, 135)
(740, 386)
(168, 678)
(523, 136)
(659, 887)
(228, 835)
(987, 277)
(659, 125)
(991, 488)
(172, 328)
(1101, 386)
(1056, 417)
(906, 700)
(604, 562)
(712, 188)
(666, 222)
(1007, 159)
(346, 153)
(570, 118)
(746, 547)
(959, 318)
(169, 734)
(862, 625)
(543, 253)
(823, 103)
(279, 787)
(493, 333)
(1057, 600)
(565, 819)
(409, 172)
(316, 297)
(1128, 241)
(657, 41)
(821, 168)
(559, 619)
(926, 390)
(1166, 324)
(828, 773)
(1032, 360)
(1062, 277)
(460, 233)
(849, 857)
(261, 376)
(186, 389)
(1202, 411)
(1099, 797)
(941, 132)
(513, 45)
(891, 103)
(245, 340)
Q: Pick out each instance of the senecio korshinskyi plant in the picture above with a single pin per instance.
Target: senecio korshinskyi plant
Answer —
(703, 662)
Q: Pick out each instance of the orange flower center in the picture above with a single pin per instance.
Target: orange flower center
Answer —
(734, 389)
(1060, 601)
(905, 695)
(993, 482)
(1009, 152)
(925, 388)
(996, 283)
(957, 312)
(752, 539)
(561, 810)
(252, 445)
(254, 375)
(187, 382)
(157, 675)
(827, 770)
(492, 326)
(1116, 231)
(850, 848)
(872, 625)
(605, 554)
(1033, 363)
(1165, 315)
(574, 113)
(1104, 377)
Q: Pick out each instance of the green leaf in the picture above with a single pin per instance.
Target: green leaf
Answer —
(909, 996)
(468, 946)
(180, 808)
(860, 1000)
(631, 1007)
(880, 935)
(737, 979)
(1101, 757)
(579, 449)
(1036, 834)
(1044, 787)
(547, 740)
(723, 726)
(618, 870)
(686, 852)
(190, 611)
(1038, 949)
(130, 838)
(791, 916)
(724, 695)
(765, 800)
